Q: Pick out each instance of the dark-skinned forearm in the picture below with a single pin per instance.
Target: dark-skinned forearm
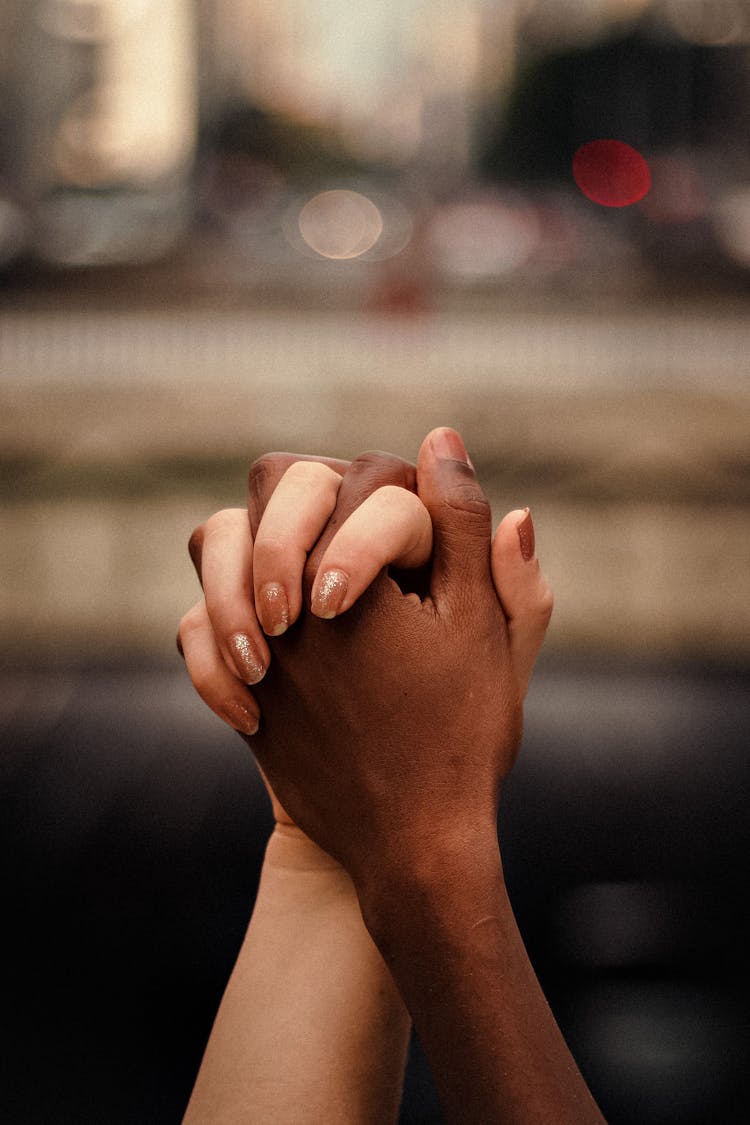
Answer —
(451, 941)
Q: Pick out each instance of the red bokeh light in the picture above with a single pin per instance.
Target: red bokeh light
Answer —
(611, 173)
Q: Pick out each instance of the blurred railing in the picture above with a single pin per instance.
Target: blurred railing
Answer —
(627, 435)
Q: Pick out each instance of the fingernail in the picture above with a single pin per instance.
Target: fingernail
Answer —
(525, 529)
(240, 717)
(447, 443)
(329, 594)
(249, 665)
(274, 608)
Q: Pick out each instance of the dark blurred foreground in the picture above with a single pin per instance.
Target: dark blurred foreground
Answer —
(138, 824)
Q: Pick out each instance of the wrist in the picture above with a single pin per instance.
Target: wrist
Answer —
(433, 886)
(289, 849)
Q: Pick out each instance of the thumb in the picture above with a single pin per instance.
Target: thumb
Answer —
(461, 520)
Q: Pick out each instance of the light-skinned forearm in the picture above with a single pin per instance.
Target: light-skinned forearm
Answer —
(450, 938)
(311, 1027)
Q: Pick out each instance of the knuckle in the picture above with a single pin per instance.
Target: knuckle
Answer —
(546, 604)
(376, 457)
(395, 494)
(398, 504)
(184, 634)
(299, 470)
(262, 478)
(389, 464)
(219, 522)
(201, 681)
(468, 497)
(269, 549)
(309, 470)
(267, 466)
(190, 622)
(195, 542)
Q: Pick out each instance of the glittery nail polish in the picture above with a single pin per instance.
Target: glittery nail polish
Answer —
(330, 594)
(249, 666)
(240, 717)
(525, 528)
(274, 608)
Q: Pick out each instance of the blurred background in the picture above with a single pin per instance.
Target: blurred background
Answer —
(230, 226)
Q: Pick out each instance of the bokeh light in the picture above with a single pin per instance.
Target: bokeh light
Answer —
(340, 224)
(484, 237)
(611, 173)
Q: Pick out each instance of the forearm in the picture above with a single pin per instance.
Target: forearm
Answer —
(311, 1027)
(451, 941)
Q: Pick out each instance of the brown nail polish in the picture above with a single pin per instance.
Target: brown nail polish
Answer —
(330, 594)
(526, 536)
(274, 608)
(240, 717)
(249, 666)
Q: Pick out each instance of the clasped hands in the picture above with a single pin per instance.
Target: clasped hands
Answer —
(387, 639)
(392, 717)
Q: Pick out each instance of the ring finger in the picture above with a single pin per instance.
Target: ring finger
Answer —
(216, 685)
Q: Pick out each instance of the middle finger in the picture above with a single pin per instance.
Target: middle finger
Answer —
(295, 515)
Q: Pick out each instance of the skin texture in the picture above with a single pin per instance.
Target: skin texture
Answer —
(291, 502)
(387, 734)
(311, 1027)
(467, 692)
(432, 891)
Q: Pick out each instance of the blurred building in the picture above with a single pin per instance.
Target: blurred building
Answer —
(488, 291)
(99, 126)
(229, 226)
(397, 81)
